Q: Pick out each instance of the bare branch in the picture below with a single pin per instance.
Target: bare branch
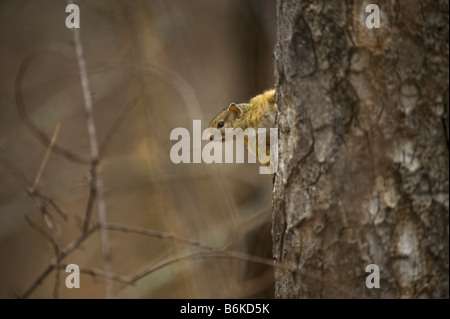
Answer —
(150, 270)
(38, 281)
(77, 242)
(20, 176)
(158, 234)
(104, 144)
(53, 230)
(225, 254)
(101, 207)
(64, 253)
(52, 203)
(213, 253)
(101, 273)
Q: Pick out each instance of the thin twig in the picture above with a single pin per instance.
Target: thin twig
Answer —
(41, 205)
(64, 253)
(77, 242)
(158, 234)
(133, 279)
(103, 146)
(38, 281)
(20, 176)
(91, 199)
(45, 158)
(53, 230)
(52, 203)
(100, 273)
(101, 207)
(58, 248)
(201, 255)
(150, 270)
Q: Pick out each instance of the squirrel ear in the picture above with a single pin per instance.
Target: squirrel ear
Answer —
(235, 109)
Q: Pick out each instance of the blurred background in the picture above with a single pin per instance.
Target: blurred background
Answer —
(178, 61)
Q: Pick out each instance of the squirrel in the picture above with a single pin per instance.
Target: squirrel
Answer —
(259, 113)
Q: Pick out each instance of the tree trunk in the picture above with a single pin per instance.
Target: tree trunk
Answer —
(363, 150)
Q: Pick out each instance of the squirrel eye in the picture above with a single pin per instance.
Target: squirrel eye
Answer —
(220, 124)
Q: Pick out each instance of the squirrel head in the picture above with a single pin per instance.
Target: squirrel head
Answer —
(226, 119)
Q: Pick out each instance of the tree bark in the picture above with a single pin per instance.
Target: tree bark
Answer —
(363, 150)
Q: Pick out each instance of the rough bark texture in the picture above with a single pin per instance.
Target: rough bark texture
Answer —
(363, 164)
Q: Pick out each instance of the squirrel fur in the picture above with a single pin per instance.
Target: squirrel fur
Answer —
(259, 113)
